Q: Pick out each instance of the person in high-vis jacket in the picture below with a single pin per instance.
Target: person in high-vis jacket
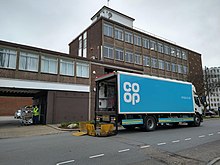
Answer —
(36, 115)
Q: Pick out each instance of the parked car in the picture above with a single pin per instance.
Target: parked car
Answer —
(26, 108)
(18, 114)
(210, 112)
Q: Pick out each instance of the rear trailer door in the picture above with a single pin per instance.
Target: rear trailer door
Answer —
(138, 94)
(106, 99)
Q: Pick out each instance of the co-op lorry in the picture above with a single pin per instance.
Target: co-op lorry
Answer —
(136, 100)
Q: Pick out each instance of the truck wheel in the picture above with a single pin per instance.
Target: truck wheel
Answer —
(149, 123)
(197, 120)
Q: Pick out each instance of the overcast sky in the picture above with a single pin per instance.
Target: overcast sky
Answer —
(53, 24)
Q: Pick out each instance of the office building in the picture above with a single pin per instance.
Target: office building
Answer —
(66, 86)
(212, 83)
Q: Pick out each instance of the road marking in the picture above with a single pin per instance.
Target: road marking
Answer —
(69, 161)
(159, 144)
(201, 136)
(176, 141)
(124, 150)
(211, 134)
(187, 139)
(96, 156)
(147, 146)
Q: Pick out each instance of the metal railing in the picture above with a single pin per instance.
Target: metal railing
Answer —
(154, 35)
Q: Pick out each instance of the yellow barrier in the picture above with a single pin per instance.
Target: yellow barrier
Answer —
(90, 129)
(106, 129)
(82, 129)
(85, 128)
(82, 126)
(79, 133)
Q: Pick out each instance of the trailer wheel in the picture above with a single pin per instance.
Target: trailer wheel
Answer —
(149, 123)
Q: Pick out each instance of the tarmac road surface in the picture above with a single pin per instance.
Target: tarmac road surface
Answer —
(167, 145)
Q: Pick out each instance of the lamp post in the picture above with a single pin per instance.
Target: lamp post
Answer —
(207, 85)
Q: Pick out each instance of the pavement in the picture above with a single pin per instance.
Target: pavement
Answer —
(12, 128)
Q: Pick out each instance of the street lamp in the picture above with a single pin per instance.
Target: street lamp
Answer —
(207, 85)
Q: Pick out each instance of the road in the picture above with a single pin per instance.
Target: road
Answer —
(183, 145)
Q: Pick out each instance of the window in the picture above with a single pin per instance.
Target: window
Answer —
(153, 45)
(108, 52)
(128, 37)
(197, 101)
(28, 61)
(167, 66)
(161, 64)
(184, 55)
(137, 59)
(80, 47)
(129, 57)
(178, 53)
(8, 58)
(49, 64)
(185, 69)
(180, 69)
(82, 70)
(66, 67)
(145, 43)
(154, 63)
(119, 54)
(146, 61)
(160, 47)
(166, 49)
(108, 30)
(85, 44)
(173, 52)
(119, 34)
(137, 40)
(174, 67)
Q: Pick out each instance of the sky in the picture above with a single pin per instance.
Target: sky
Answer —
(53, 24)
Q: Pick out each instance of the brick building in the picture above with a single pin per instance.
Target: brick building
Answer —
(110, 43)
(57, 82)
(9, 105)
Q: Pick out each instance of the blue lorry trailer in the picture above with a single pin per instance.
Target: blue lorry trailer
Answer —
(136, 100)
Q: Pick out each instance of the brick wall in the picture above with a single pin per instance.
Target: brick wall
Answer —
(195, 73)
(8, 109)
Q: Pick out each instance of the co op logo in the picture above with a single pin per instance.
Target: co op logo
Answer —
(131, 92)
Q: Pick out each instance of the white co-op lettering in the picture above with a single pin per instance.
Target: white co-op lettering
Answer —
(133, 97)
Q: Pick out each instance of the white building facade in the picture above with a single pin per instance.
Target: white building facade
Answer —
(212, 78)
